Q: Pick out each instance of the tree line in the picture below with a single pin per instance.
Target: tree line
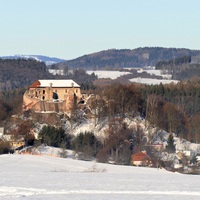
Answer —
(172, 107)
(120, 142)
(180, 68)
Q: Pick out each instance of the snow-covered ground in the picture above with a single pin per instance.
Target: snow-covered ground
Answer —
(151, 81)
(107, 74)
(153, 71)
(115, 74)
(44, 177)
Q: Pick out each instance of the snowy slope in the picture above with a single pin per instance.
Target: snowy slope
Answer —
(151, 81)
(45, 177)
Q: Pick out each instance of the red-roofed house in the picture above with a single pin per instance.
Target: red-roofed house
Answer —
(141, 159)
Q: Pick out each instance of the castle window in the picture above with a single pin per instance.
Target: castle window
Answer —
(43, 91)
(65, 90)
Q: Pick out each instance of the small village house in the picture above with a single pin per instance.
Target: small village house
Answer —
(15, 142)
(141, 159)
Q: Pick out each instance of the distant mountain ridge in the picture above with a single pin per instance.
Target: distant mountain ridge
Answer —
(47, 60)
(127, 58)
(116, 58)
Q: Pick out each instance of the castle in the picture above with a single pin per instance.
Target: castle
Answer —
(52, 96)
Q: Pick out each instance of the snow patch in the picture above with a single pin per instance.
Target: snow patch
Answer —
(108, 74)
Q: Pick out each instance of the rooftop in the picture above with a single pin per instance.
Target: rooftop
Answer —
(54, 83)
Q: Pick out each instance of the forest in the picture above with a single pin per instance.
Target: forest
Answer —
(129, 58)
(172, 107)
(181, 68)
(21, 73)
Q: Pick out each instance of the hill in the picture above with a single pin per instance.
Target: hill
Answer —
(46, 59)
(126, 58)
(45, 177)
(16, 73)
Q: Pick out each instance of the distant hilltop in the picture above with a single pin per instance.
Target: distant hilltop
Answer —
(47, 60)
(127, 58)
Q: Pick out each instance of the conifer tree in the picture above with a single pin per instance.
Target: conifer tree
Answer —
(170, 144)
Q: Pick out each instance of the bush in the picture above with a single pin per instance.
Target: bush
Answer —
(86, 145)
(4, 147)
(55, 137)
(102, 156)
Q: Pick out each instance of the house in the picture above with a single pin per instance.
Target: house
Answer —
(141, 159)
(15, 142)
(51, 95)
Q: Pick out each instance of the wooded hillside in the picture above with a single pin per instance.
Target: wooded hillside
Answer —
(140, 57)
(17, 73)
(174, 108)
(20, 73)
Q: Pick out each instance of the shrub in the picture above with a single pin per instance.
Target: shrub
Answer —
(86, 145)
(55, 137)
(4, 147)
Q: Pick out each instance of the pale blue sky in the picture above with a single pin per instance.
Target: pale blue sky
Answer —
(72, 28)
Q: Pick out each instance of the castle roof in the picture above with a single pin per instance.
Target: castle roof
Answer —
(54, 83)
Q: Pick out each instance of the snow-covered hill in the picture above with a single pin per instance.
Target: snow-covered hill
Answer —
(44, 177)
(46, 59)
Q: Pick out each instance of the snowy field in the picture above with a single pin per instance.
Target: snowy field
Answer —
(44, 177)
(153, 71)
(115, 74)
(151, 81)
(108, 74)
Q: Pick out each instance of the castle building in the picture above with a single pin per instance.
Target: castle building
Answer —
(52, 96)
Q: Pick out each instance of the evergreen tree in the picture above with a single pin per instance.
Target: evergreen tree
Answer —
(170, 144)
(55, 137)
